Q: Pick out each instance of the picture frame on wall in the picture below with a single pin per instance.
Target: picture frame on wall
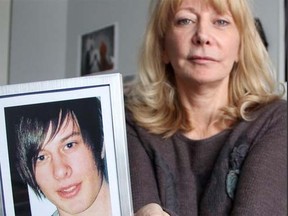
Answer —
(98, 50)
(64, 141)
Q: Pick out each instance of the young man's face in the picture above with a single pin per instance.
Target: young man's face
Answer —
(66, 171)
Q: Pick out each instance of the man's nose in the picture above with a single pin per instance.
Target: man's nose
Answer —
(61, 168)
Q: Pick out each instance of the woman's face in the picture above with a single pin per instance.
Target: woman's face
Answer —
(201, 44)
(66, 171)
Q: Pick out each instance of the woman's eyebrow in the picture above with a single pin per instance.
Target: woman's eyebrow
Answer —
(186, 9)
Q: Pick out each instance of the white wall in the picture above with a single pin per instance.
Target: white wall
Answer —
(45, 41)
(89, 15)
(272, 16)
(38, 40)
(5, 7)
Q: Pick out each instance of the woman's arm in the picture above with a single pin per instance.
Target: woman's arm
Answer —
(262, 185)
(143, 180)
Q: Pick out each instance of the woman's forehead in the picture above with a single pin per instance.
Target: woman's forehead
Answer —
(220, 6)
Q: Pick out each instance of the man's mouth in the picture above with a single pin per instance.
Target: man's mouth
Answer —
(69, 191)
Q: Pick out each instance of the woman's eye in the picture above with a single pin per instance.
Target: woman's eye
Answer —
(184, 21)
(222, 22)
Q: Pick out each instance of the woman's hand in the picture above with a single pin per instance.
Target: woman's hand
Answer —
(151, 209)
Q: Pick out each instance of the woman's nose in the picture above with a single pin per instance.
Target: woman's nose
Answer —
(201, 34)
(61, 168)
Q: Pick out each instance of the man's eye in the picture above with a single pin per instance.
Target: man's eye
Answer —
(41, 158)
(69, 145)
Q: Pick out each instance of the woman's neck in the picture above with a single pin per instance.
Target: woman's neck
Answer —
(203, 108)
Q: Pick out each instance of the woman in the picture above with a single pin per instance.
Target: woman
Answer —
(206, 127)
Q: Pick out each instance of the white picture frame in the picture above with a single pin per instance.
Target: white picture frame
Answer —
(107, 87)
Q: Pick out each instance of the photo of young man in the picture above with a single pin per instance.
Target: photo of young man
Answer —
(60, 154)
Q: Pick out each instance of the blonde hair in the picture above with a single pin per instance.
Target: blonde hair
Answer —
(153, 99)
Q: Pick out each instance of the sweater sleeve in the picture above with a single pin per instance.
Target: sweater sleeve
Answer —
(262, 186)
(142, 171)
(143, 183)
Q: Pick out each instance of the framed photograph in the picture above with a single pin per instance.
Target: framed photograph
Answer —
(63, 148)
(98, 50)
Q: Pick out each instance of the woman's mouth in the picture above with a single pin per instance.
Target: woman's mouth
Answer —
(201, 59)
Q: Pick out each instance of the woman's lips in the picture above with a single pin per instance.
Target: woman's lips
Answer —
(69, 191)
(201, 59)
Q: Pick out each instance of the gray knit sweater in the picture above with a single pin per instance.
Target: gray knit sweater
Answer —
(240, 171)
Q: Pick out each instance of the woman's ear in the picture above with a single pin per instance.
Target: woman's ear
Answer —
(165, 57)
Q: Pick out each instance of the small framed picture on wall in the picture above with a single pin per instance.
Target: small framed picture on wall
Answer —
(98, 50)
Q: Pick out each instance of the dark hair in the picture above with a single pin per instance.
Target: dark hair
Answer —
(31, 123)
